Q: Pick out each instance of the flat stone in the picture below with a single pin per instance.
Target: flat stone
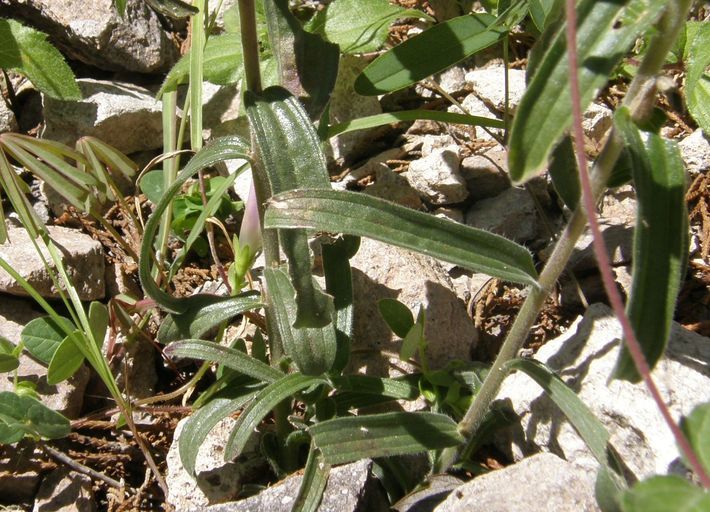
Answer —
(65, 491)
(541, 483)
(393, 187)
(437, 177)
(82, 257)
(346, 104)
(383, 271)
(66, 397)
(695, 151)
(486, 175)
(126, 116)
(350, 488)
(488, 85)
(584, 357)
(511, 214)
(8, 122)
(98, 36)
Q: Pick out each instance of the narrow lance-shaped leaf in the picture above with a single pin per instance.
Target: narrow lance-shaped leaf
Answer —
(696, 427)
(434, 50)
(198, 426)
(362, 215)
(264, 401)
(221, 149)
(290, 154)
(227, 356)
(343, 440)
(205, 315)
(606, 30)
(315, 478)
(313, 349)
(363, 123)
(660, 241)
(697, 80)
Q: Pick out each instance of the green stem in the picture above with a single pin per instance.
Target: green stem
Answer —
(639, 99)
(250, 45)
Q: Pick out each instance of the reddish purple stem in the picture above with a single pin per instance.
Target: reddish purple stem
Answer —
(601, 254)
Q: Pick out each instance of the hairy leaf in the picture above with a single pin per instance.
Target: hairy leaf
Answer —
(27, 51)
(362, 215)
(315, 478)
(343, 440)
(434, 50)
(660, 242)
(606, 30)
(313, 349)
(200, 318)
(264, 401)
(289, 150)
(363, 123)
(227, 356)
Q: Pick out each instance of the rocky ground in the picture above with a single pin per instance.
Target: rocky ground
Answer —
(451, 171)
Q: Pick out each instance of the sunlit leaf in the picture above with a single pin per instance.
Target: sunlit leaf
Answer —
(434, 50)
(67, 359)
(697, 79)
(696, 427)
(29, 415)
(42, 336)
(264, 401)
(398, 316)
(348, 439)
(289, 150)
(227, 356)
(360, 26)
(200, 318)
(543, 12)
(363, 123)
(27, 51)
(606, 30)
(660, 242)
(363, 215)
(666, 494)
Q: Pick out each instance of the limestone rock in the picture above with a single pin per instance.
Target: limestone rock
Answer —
(695, 150)
(65, 491)
(540, 483)
(350, 488)
(125, 116)
(584, 357)
(476, 107)
(82, 257)
(486, 175)
(98, 36)
(67, 396)
(511, 214)
(596, 121)
(451, 81)
(381, 271)
(8, 123)
(437, 177)
(488, 84)
(346, 104)
(393, 187)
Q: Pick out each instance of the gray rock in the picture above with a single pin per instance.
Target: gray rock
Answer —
(432, 143)
(217, 481)
(449, 213)
(451, 81)
(8, 123)
(98, 36)
(596, 121)
(511, 214)
(584, 357)
(695, 150)
(381, 271)
(67, 396)
(437, 177)
(350, 488)
(541, 483)
(486, 175)
(619, 205)
(65, 491)
(346, 104)
(125, 116)
(488, 84)
(82, 257)
(476, 107)
(393, 187)
(134, 370)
